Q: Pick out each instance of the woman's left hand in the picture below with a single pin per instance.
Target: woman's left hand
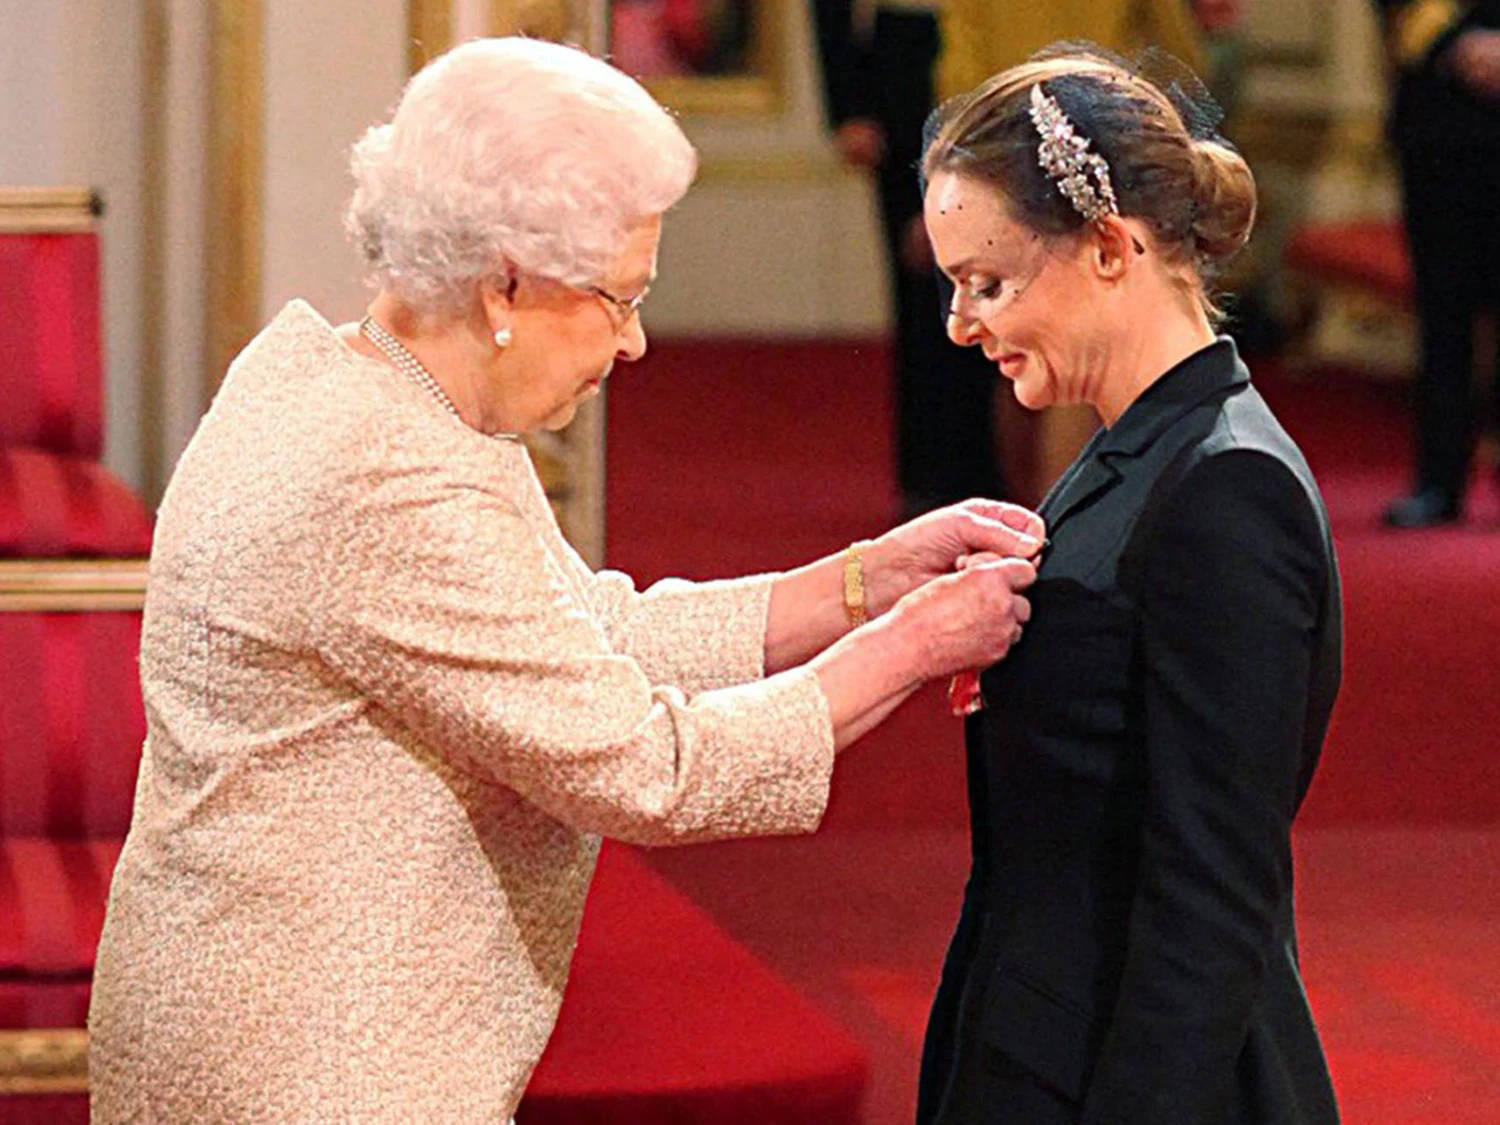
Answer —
(931, 545)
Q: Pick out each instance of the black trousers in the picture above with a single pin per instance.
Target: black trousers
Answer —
(1452, 213)
(945, 446)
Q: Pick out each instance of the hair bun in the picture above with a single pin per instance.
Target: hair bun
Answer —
(1223, 200)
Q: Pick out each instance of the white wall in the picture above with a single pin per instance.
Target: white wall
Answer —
(332, 69)
(70, 95)
(775, 239)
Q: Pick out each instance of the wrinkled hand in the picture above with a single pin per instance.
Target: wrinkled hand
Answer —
(930, 546)
(861, 142)
(968, 619)
(1475, 59)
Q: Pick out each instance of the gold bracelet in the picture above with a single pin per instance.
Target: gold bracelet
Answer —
(854, 587)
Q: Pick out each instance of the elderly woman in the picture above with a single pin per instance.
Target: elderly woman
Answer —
(1127, 951)
(391, 712)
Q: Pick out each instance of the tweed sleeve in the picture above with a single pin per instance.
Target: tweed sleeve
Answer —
(698, 635)
(446, 609)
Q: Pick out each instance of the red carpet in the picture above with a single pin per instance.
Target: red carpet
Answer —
(728, 458)
(667, 1020)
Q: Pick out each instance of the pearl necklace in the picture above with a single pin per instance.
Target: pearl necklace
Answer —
(410, 366)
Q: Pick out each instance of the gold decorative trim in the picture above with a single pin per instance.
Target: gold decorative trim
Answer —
(71, 585)
(429, 31)
(48, 210)
(45, 1061)
(762, 92)
(232, 251)
(156, 35)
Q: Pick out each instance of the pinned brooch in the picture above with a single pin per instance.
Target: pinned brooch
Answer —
(1081, 175)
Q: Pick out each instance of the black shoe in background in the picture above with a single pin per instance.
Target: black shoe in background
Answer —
(1426, 508)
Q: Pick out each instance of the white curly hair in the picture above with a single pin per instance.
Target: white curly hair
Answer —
(511, 150)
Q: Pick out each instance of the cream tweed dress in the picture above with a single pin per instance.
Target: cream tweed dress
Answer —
(390, 712)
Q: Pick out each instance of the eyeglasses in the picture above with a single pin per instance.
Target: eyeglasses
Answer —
(627, 307)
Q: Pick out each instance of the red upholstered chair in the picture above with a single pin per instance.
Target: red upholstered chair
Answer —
(56, 500)
(72, 579)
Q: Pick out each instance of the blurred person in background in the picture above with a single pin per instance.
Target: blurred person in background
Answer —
(878, 60)
(1445, 125)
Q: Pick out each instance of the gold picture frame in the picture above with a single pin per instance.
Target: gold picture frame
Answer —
(232, 258)
(760, 90)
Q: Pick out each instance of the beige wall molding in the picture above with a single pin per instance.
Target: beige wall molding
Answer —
(47, 210)
(1298, 36)
(232, 250)
(71, 585)
(44, 1061)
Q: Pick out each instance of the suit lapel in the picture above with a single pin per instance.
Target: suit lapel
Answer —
(1091, 476)
(1213, 370)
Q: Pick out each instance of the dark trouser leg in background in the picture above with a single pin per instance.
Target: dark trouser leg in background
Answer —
(1453, 231)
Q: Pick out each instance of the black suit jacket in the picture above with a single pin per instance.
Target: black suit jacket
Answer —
(1127, 951)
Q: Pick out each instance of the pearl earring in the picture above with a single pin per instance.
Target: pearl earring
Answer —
(502, 338)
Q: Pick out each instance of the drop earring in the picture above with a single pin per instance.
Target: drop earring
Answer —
(502, 338)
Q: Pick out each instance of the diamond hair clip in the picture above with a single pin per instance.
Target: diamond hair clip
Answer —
(1065, 157)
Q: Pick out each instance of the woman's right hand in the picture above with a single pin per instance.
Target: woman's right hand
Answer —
(957, 622)
(969, 619)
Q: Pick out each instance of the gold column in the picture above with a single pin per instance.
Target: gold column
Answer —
(156, 51)
(429, 27)
(233, 236)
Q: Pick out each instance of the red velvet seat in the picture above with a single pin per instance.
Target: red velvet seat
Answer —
(56, 500)
(51, 377)
(1368, 254)
(71, 725)
(52, 896)
(61, 506)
